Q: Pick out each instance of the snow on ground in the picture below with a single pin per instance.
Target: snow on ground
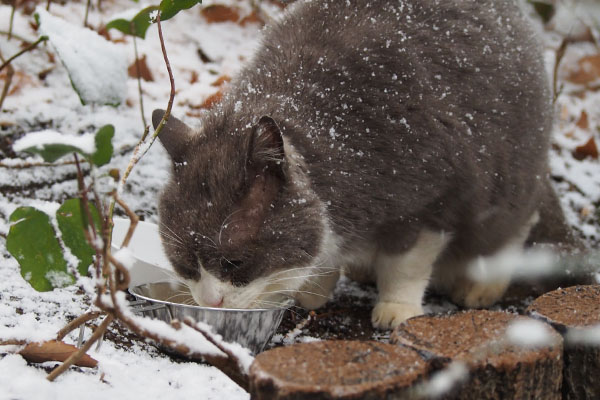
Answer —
(42, 98)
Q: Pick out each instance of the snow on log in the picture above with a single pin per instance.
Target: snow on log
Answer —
(499, 367)
(575, 312)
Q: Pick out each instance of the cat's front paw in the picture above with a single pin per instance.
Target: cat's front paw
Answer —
(390, 315)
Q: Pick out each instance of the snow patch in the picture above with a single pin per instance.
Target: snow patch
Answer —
(97, 67)
(39, 139)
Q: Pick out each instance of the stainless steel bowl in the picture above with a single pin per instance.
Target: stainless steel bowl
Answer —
(252, 328)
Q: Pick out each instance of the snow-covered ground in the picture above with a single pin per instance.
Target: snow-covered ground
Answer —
(41, 97)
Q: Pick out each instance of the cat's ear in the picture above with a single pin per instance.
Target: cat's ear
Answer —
(174, 136)
(266, 146)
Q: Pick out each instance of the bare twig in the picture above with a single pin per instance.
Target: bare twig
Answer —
(12, 342)
(132, 217)
(12, 34)
(82, 319)
(25, 50)
(139, 77)
(560, 53)
(37, 164)
(73, 358)
(7, 82)
(12, 18)
(87, 11)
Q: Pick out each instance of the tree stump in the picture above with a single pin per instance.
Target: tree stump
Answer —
(570, 310)
(335, 369)
(497, 370)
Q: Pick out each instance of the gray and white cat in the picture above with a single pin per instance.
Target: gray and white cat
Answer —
(399, 139)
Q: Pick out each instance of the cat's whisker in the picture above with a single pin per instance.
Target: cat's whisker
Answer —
(224, 224)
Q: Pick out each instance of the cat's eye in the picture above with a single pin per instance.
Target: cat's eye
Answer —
(227, 264)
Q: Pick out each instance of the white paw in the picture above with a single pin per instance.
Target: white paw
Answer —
(390, 315)
(477, 294)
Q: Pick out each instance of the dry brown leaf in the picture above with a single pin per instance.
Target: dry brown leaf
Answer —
(588, 70)
(194, 77)
(144, 71)
(54, 350)
(587, 150)
(219, 13)
(584, 122)
(212, 100)
(221, 80)
(252, 18)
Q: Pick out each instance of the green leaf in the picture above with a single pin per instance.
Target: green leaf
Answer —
(32, 241)
(545, 10)
(51, 148)
(53, 151)
(139, 24)
(72, 225)
(136, 26)
(104, 147)
(170, 8)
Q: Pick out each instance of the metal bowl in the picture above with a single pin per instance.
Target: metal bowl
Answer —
(252, 328)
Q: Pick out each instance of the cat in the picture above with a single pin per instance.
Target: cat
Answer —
(399, 139)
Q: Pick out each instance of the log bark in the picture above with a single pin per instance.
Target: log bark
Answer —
(571, 309)
(335, 370)
(497, 370)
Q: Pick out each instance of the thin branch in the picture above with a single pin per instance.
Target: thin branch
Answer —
(12, 19)
(21, 38)
(38, 164)
(73, 358)
(87, 10)
(132, 217)
(7, 82)
(25, 50)
(13, 342)
(82, 319)
(139, 79)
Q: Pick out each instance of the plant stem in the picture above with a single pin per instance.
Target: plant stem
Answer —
(21, 38)
(139, 80)
(87, 10)
(132, 217)
(135, 158)
(12, 19)
(82, 319)
(48, 5)
(73, 358)
(25, 50)
(7, 82)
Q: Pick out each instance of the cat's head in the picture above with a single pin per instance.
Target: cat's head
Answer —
(238, 219)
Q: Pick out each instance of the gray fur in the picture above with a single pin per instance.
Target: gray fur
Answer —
(408, 114)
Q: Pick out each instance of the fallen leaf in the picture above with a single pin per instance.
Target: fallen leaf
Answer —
(219, 13)
(144, 71)
(588, 70)
(212, 100)
(587, 150)
(54, 350)
(584, 122)
(221, 80)
(252, 18)
(194, 77)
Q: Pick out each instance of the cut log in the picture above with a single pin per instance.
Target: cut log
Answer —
(335, 370)
(497, 369)
(570, 310)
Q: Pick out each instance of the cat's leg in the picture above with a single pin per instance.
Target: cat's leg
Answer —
(480, 294)
(403, 278)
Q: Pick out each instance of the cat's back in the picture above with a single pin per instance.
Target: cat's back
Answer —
(423, 109)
